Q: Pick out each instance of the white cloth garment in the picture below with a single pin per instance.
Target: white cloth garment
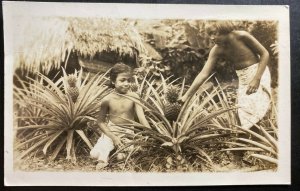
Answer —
(253, 107)
(105, 144)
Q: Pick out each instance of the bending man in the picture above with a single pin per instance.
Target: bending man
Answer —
(249, 58)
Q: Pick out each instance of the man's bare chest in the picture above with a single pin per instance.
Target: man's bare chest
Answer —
(238, 54)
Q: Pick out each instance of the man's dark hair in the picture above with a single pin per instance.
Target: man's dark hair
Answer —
(222, 27)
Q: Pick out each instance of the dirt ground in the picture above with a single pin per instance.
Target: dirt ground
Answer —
(86, 164)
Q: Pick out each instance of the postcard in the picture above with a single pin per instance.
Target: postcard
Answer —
(111, 94)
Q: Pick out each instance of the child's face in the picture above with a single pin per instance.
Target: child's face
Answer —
(122, 83)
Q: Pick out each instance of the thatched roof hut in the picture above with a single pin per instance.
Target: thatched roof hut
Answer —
(46, 43)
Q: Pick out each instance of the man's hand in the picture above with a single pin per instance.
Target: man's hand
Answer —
(253, 86)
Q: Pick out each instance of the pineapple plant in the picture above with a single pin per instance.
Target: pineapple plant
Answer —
(172, 107)
(68, 123)
(184, 143)
(72, 90)
(134, 87)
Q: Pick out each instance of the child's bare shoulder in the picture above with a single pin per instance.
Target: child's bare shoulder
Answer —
(133, 94)
(107, 99)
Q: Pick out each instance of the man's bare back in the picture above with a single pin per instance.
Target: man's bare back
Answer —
(234, 50)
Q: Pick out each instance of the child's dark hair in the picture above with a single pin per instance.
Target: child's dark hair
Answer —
(118, 68)
(223, 27)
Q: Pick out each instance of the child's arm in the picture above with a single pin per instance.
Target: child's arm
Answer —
(264, 57)
(102, 123)
(203, 75)
(140, 112)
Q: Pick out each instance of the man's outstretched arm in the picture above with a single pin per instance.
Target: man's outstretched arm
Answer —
(203, 75)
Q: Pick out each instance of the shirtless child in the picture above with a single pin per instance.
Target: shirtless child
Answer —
(249, 58)
(115, 108)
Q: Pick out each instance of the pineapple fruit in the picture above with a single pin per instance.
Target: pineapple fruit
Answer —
(172, 107)
(72, 90)
(72, 79)
(74, 93)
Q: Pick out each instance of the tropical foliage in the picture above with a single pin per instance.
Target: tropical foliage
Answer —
(179, 144)
(64, 108)
(184, 45)
(57, 117)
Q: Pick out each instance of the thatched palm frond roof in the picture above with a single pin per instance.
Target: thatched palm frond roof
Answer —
(44, 44)
(47, 42)
(97, 35)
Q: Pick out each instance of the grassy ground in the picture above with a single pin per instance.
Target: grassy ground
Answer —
(86, 164)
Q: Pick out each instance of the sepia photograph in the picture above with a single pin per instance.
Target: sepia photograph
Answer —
(112, 96)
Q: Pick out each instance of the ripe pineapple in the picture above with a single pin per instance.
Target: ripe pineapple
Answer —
(72, 79)
(74, 93)
(172, 107)
(72, 90)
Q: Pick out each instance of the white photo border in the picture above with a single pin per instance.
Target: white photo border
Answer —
(12, 11)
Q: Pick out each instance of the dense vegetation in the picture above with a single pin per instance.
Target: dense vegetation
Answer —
(56, 116)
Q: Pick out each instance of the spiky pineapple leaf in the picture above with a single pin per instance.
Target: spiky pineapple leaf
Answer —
(84, 138)
(69, 143)
(167, 144)
(268, 136)
(266, 158)
(33, 147)
(53, 137)
(57, 149)
(263, 139)
(243, 149)
(255, 143)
